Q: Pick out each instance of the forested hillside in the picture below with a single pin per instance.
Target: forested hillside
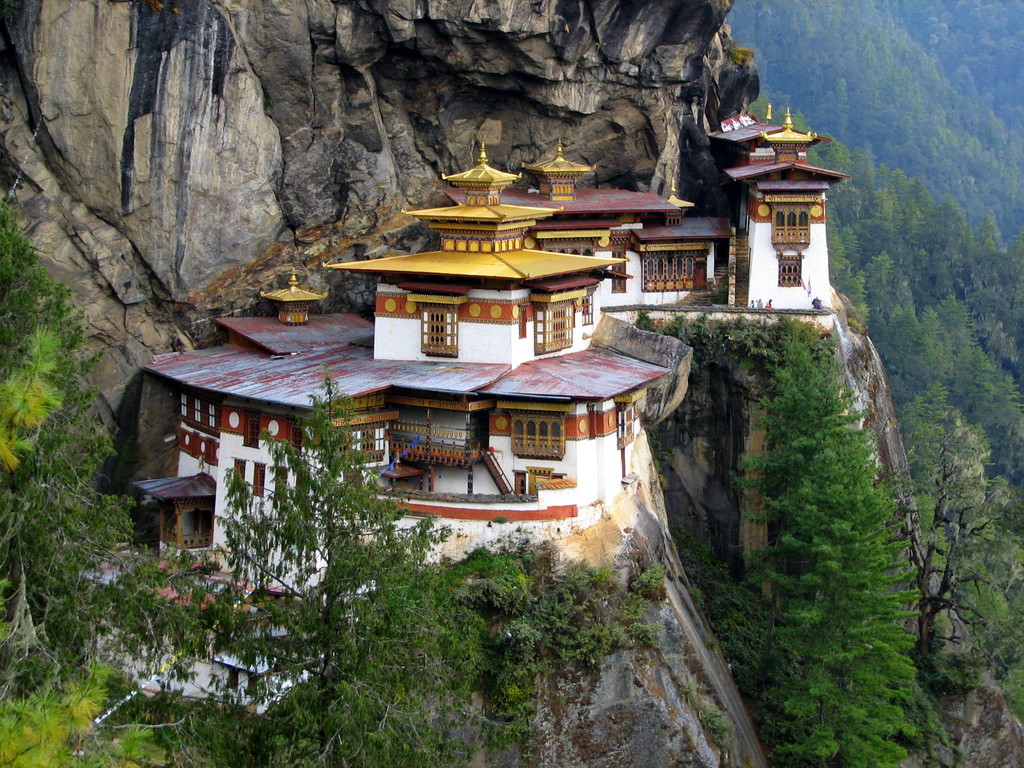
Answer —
(933, 90)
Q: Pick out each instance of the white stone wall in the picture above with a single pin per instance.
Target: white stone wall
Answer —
(764, 270)
(399, 338)
(634, 286)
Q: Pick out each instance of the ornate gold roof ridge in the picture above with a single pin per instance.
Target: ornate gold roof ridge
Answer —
(482, 174)
(558, 164)
(293, 292)
(788, 135)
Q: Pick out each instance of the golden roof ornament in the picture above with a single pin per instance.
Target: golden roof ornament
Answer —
(482, 175)
(788, 135)
(676, 201)
(559, 165)
(768, 112)
(293, 293)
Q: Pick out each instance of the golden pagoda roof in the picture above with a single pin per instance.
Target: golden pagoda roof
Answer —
(511, 265)
(293, 292)
(481, 174)
(787, 135)
(559, 165)
(677, 201)
(490, 213)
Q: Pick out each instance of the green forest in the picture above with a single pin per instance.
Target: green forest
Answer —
(925, 242)
(932, 91)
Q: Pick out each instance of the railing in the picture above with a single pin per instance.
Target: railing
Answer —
(442, 445)
(791, 237)
(200, 539)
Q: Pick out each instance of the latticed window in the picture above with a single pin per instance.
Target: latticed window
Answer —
(259, 479)
(202, 413)
(553, 325)
(789, 271)
(538, 435)
(587, 310)
(791, 226)
(440, 330)
(667, 272)
(252, 430)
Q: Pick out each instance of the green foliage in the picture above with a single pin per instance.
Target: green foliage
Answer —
(371, 655)
(56, 532)
(54, 729)
(838, 677)
(752, 342)
(575, 618)
(931, 90)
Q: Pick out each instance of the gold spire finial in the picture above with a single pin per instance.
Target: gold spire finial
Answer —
(294, 281)
(481, 157)
(789, 120)
(558, 152)
(768, 112)
(673, 187)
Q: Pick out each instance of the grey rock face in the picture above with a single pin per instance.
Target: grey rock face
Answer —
(177, 157)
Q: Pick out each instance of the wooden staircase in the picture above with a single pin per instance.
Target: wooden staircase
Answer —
(500, 479)
(739, 259)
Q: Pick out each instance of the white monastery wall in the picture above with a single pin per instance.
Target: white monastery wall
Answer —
(764, 270)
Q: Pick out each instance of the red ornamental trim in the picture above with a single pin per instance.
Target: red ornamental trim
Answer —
(560, 512)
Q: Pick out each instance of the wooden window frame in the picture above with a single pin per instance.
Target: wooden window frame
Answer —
(553, 326)
(251, 438)
(538, 435)
(790, 271)
(439, 330)
(668, 272)
(239, 468)
(259, 479)
(587, 310)
(791, 225)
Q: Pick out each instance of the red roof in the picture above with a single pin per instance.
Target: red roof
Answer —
(743, 172)
(692, 229)
(552, 284)
(746, 133)
(457, 289)
(567, 223)
(321, 331)
(593, 374)
(171, 488)
(295, 380)
(588, 200)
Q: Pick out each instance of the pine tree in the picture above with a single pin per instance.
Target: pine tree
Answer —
(55, 530)
(836, 657)
(369, 657)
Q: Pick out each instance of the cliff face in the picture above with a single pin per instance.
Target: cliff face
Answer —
(175, 157)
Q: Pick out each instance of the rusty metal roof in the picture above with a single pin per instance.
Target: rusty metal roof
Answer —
(295, 380)
(762, 169)
(567, 223)
(171, 488)
(321, 331)
(695, 229)
(588, 200)
(554, 284)
(593, 374)
(745, 132)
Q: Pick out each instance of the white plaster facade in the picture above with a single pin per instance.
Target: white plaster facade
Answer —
(764, 269)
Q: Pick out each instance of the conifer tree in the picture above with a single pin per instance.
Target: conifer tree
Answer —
(837, 670)
(370, 660)
(55, 529)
